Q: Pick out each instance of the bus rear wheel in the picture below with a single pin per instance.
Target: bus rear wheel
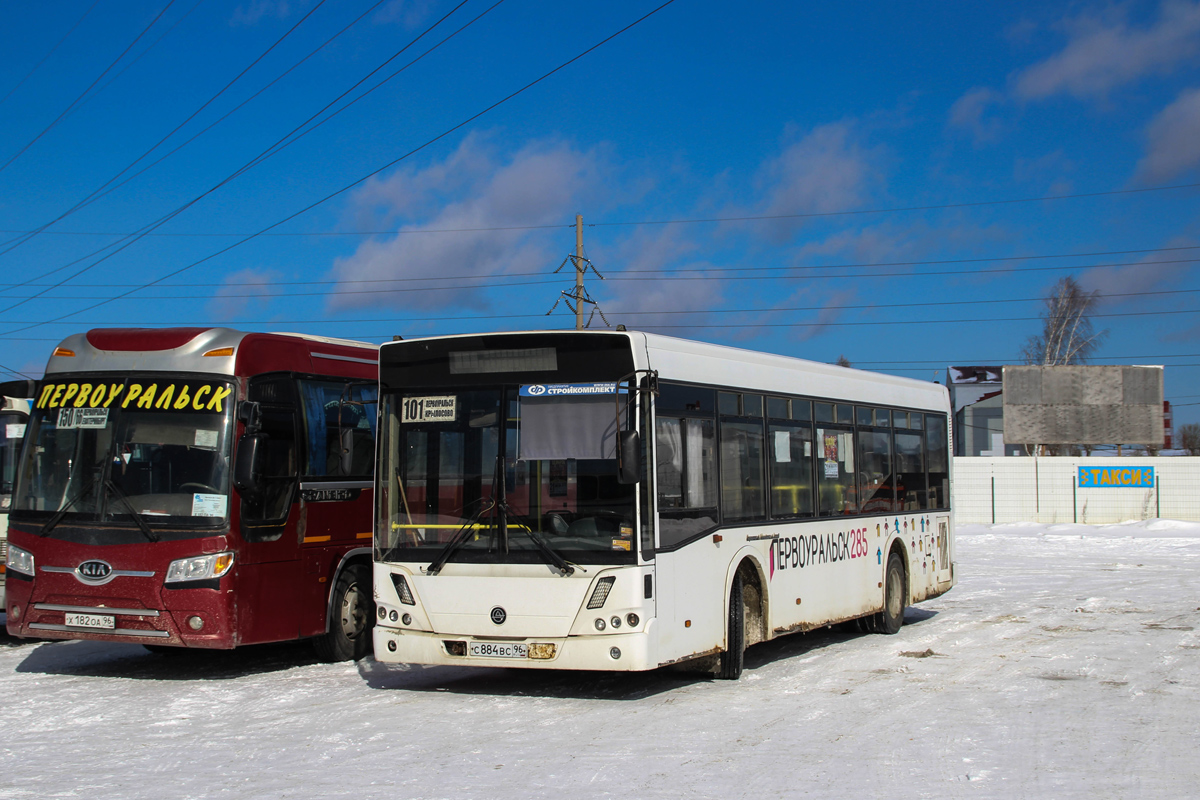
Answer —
(349, 634)
(891, 617)
(734, 656)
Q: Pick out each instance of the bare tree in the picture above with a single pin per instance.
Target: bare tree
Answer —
(843, 361)
(1189, 438)
(1067, 335)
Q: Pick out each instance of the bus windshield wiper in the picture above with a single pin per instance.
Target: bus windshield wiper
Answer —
(62, 512)
(133, 512)
(457, 541)
(539, 540)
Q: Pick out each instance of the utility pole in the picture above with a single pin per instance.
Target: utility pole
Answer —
(578, 271)
(577, 295)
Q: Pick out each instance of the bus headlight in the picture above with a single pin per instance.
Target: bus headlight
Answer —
(199, 568)
(19, 561)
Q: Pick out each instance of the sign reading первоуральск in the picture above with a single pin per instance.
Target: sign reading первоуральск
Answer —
(1116, 477)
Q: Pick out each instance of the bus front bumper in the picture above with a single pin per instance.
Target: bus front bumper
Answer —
(615, 652)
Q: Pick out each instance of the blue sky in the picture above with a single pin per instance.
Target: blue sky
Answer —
(896, 183)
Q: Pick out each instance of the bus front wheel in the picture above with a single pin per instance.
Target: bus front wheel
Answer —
(735, 643)
(349, 634)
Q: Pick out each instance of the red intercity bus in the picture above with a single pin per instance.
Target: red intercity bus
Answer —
(197, 488)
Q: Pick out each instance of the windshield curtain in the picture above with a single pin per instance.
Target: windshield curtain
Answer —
(440, 478)
(101, 446)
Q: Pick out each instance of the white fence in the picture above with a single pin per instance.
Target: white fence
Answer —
(1045, 490)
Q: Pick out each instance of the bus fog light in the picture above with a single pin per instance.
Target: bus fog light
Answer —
(632, 619)
(195, 623)
(391, 647)
(599, 624)
(455, 648)
(393, 616)
(615, 622)
(406, 619)
(615, 652)
(16, 612)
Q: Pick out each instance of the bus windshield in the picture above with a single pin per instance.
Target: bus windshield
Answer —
(158, 449)
(502, 475)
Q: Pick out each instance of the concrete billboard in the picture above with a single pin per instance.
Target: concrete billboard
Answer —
(1083, 405)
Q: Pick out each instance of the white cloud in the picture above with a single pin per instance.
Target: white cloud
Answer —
(242, 290)
(1106, 52)
(1144, 276)
(827, 170)
(1172, 140)
(971, 112)
(830, 311)
(475, 194)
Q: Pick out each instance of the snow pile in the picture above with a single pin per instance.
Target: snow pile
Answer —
(1063, 665)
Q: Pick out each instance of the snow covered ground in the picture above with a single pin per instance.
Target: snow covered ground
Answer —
(1064, 664)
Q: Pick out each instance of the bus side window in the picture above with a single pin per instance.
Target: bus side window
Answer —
(265, 513)
(742, 483)
(339, 422)
(875, 479)
(687, 478)
(835, 470)
(937, 461)
(790, 446)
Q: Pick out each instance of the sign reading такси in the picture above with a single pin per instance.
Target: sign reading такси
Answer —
(1116, 477)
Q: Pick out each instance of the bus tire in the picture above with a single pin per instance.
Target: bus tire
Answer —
(349, 634)
(891, 617)
(734, 656)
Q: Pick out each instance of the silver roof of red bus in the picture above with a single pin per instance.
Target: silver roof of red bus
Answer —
(203, 350)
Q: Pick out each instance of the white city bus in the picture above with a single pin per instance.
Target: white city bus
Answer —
(624, 501)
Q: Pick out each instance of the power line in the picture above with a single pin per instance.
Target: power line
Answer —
(682, 221)
(663, 275)
(261, 295)
(938, 207)
(369, 175)
(138, 57)
(46, 57)
(13, 244)
(708, 326)
(16, 372)
(75, 102)
(137, 236)
(864, 323)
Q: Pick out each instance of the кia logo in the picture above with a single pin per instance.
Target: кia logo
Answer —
(94, 570)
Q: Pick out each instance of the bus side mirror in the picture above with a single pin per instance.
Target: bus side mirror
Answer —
(250, 415)
(252, 448)
(629, 456)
